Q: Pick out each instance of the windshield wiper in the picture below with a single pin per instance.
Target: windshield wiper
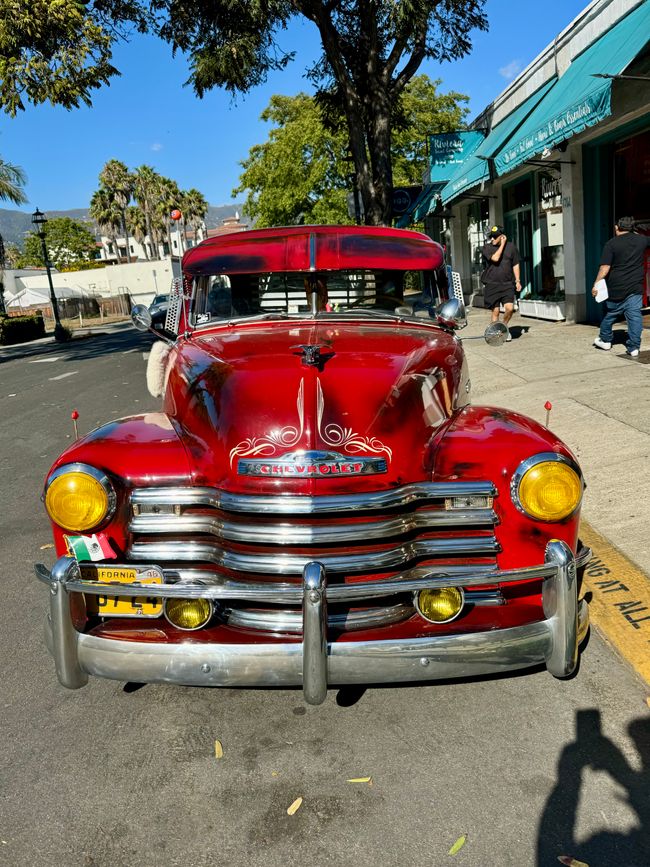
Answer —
(370, 311)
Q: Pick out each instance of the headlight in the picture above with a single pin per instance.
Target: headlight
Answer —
(548, 487)
(79, 497)
(188, 614)
(440, 605)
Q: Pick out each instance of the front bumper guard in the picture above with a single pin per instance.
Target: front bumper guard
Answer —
(314, 663)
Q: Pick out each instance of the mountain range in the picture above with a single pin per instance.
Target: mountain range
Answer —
(14, 225)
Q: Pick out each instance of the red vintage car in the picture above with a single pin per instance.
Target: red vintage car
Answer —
(318, 503)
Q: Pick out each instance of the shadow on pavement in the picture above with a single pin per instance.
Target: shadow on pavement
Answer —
(592, 749)
(83, 347)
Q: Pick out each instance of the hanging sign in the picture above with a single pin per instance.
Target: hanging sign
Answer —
(447, 150)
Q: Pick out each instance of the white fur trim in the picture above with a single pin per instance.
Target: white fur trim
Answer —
(156, 368)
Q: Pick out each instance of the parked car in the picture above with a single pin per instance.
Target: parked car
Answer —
(158, 311)
(317, 503)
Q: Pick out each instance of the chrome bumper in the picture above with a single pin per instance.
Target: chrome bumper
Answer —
(316, 664)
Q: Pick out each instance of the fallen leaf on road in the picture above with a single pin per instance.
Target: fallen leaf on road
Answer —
(49, 545)
(458, 845)
(274, 773)
(218, 750)
(647, 701)
(571, 862)
(360, 780)
(294, 807)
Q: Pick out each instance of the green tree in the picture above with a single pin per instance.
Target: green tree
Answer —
(137, 226)
(105, 211)
(145, 189)
(116, 179)
(12, 181)
(68, 243)
(195, 207)
(302, 172)
(60, 50)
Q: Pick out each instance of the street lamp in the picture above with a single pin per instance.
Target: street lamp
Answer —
(38, 221)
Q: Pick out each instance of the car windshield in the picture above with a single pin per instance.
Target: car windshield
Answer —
(228, 296)
(160, 299)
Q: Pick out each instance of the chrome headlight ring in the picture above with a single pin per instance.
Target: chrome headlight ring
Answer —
(99, 476)
(541, 458)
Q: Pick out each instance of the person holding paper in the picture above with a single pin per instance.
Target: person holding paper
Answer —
(621, 265)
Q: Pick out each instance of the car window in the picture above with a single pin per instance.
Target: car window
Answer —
(160, 299)
(224, 296)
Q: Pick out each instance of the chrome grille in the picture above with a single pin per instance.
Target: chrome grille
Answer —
(267, 541)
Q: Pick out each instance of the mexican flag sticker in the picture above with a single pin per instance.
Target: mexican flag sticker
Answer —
(95, 547)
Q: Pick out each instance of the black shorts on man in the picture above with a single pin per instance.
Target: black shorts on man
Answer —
(495, 294)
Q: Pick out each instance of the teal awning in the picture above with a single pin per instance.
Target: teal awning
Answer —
(580, 98)
(421, 206)
(475, 169)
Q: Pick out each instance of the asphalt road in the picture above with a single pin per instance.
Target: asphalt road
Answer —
(526, 768)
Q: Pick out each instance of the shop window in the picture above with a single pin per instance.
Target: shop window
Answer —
(551, 235)
(478, 225)
(517, 196)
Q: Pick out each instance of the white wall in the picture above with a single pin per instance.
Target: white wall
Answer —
(142, 280)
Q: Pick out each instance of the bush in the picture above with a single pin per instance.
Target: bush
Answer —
(20, 329)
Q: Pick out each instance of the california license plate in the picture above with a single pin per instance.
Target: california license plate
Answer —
(111, 604)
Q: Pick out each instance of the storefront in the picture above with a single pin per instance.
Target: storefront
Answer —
(567, 150)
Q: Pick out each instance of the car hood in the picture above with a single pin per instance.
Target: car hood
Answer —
(330, 407)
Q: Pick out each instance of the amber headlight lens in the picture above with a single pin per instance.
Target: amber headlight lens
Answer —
(188, 613)
(549, 491)
(78, 501)
(440, 605)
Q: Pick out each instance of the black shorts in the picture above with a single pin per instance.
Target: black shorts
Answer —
(496, 293)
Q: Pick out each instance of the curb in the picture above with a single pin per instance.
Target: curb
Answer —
(620, 604)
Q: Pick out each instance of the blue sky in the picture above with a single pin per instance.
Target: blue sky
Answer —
(148, 116)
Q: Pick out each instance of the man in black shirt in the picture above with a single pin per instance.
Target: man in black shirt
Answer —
(501, 275)
(622, 263)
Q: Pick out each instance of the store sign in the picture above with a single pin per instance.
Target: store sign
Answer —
(404, 198)
(447, 150)
(550, 191)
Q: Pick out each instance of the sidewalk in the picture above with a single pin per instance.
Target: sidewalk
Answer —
(601, 409)
(45, 344)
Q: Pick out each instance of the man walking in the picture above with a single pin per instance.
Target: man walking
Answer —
(501, 275)
(621, 263)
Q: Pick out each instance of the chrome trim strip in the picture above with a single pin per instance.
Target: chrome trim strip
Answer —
(314, 638)
(287, 564)
(295, 505)
(348, 662)
(99, 476)
(292, 621)
(532, 461)
(293, 534)
(193, 584)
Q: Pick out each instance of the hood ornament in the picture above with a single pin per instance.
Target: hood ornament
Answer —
(314, 354)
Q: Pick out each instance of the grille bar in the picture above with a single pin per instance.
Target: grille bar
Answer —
(296, 505)
(300, 534)
(279, 563)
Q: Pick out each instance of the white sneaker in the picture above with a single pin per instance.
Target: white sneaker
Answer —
(633, 353)
(602, 344)
(509, 337)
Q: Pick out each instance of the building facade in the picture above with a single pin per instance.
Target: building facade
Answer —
(562, 153)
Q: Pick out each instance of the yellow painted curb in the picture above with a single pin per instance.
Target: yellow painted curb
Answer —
(620, 607)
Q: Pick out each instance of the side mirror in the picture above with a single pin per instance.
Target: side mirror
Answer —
(495, 334)
(141, 317)
(451, 314)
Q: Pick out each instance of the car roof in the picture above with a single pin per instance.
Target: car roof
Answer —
(313, 248)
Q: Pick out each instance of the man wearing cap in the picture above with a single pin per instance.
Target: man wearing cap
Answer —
(621, 263)
(501, 275)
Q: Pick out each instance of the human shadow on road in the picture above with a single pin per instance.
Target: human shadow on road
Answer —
(592, 749)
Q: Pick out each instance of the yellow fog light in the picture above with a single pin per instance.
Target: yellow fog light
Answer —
(440, 605)
(188, 613)
(548, 490)
(79, 498)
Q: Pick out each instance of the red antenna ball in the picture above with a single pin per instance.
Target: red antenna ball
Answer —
(176, 214)
(74, 415)
(548, 406)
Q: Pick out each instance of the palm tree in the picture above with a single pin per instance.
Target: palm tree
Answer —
(145, 189)
(116, 179)
(107, 214)
(12, 181)
(169, 197)
(195, 207)
(136, 222)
